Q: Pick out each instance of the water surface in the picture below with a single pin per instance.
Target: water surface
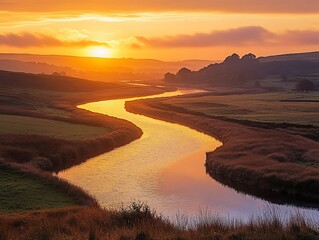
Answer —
(164, 168)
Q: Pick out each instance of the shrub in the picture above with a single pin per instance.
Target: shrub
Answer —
(135, 213)
(305, 85)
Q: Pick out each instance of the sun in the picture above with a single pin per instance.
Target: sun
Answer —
(100, 52)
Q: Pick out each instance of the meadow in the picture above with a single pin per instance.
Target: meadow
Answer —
(24, 192)
(277, 107)
(11, 124)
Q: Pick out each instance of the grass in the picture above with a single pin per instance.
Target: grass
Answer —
(296, 108)
(44, 128)
(21, 192)
(12, 124)
(138, 222)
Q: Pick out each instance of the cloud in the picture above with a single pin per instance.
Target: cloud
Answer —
(23, 40)
(304, 37)
(129, 6)
(245, 36)
(231, 37)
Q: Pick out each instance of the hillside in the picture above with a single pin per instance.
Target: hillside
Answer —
(248, 70)
(50, 82)
(310, 56)
(101, 69)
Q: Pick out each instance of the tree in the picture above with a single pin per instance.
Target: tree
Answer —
(169, 77)
(249, 57)
(305, 85)
(232, 59)
(184, 74)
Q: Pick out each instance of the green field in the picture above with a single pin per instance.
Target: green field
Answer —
(297, 108)
(277, 83)
(21, 192)
(12, 124)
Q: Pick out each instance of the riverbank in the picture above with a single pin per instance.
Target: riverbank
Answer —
(42, 131)
(277, 162)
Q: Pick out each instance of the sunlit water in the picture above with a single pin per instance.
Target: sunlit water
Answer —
(165, 169)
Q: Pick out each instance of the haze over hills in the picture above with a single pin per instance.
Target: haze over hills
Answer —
(101, 69)
(34, 67)
(50, 82)
(117, 69)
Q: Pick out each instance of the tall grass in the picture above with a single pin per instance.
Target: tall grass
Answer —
(138, 221)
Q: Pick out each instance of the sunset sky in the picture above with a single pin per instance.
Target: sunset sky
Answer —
(162, 29)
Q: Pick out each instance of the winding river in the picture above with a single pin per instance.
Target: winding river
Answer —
(165, 169)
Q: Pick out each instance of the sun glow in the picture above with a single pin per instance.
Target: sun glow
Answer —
(99, 52)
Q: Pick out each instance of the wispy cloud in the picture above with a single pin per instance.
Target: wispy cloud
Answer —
(245, 36)
(23, 40)
(305, 37)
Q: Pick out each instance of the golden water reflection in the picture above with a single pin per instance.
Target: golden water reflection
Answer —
(164, 168)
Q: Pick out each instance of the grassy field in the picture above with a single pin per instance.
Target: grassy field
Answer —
(296, 108)
(12, 124)
(20, 192)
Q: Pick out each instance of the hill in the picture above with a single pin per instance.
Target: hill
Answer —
(101, 69)
(34, 67)
(236, 71)
(50, 82)
(309, 56)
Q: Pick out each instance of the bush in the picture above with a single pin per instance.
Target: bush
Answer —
(305, 85)
(135, 213)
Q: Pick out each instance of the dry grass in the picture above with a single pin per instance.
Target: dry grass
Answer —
(137, 221)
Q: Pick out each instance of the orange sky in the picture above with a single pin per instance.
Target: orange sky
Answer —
(162, 29)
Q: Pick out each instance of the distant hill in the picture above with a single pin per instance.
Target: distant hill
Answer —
(50, 82)
(34, 67)
(238, 71)
(101, 69)
(310, 56)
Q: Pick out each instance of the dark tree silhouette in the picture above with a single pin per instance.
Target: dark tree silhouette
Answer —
(184, 74)
(249, 57)
(169, 76)
(232, 59)
(305, 85)
(237, 71)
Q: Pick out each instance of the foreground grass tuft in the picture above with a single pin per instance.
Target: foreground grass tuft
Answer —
(139, 222)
